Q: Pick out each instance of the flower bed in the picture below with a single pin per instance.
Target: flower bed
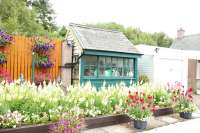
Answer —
(26, 104)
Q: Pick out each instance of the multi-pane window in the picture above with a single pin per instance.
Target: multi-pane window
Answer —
(128, 67)
(108, 66)
(90, 65)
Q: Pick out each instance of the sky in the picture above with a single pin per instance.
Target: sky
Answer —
(148, 15)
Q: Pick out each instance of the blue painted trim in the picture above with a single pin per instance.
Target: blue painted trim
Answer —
(111, 54)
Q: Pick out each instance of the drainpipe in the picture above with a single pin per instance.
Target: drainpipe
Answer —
(72, 68)
(33, 67)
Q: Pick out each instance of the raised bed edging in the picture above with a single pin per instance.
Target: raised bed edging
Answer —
(90, 122)
(43, 128)
(106, 121)
(163, 111)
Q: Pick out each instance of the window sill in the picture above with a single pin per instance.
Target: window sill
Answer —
(105, 78)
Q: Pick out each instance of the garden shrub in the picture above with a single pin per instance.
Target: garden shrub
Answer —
(143, 79)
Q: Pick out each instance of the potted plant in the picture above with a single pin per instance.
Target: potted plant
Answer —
(140, 108)
(42, 61)
(42, 51)
(184, 103)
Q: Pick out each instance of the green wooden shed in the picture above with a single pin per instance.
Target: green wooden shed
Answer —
(102, 56)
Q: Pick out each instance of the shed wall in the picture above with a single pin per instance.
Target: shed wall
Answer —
(145, 66)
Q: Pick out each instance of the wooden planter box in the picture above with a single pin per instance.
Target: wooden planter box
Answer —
(163, 111)
(90, 122)
(106, 121)
(43, 128)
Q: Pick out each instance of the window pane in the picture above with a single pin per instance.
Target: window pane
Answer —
(114, 67)
(128, 67)
(90, 65)
(101, 66)
(105, 66)
(120, 67)
(131, 73)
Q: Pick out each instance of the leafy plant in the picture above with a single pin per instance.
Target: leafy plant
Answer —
(2, 58)
(70, 122)
(11, 119)
(143, 79)
(162, 97)
(183, 101)
(140, 106)
(42, 49)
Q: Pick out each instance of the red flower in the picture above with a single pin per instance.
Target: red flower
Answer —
(153, 109)
(142, 100)
(189, 90)
(143, 107)
(150, 97)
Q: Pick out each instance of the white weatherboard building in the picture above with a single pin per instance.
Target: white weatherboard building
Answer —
(163, 65)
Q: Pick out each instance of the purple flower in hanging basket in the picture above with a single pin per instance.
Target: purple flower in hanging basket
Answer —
(43, 47)
(2, 61)
(5, 38)
(47, 64)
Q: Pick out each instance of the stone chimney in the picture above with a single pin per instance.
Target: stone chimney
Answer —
(180, 33)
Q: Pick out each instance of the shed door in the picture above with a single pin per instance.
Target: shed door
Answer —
(170, 70)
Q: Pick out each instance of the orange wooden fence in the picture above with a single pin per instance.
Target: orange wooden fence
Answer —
(19, 58)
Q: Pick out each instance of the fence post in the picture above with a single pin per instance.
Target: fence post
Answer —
(33, 67)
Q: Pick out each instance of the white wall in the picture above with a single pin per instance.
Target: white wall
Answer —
(169, 65)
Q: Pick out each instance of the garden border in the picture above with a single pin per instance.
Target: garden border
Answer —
(95, 122)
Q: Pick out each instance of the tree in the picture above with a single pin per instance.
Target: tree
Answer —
(45, 13)
(63, 32)
(16, 17)
(136, 36)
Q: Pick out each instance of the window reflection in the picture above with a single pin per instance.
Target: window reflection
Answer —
(108, 66)
(90, 65)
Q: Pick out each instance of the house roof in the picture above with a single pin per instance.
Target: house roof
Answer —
(191, 42)
(93, 38)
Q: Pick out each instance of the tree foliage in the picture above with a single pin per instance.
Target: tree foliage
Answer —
(136, 36)
(16, 17)
(45, 13)
(28, 17)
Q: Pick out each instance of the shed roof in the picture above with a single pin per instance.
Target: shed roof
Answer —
(191, 42)
(93, 38)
